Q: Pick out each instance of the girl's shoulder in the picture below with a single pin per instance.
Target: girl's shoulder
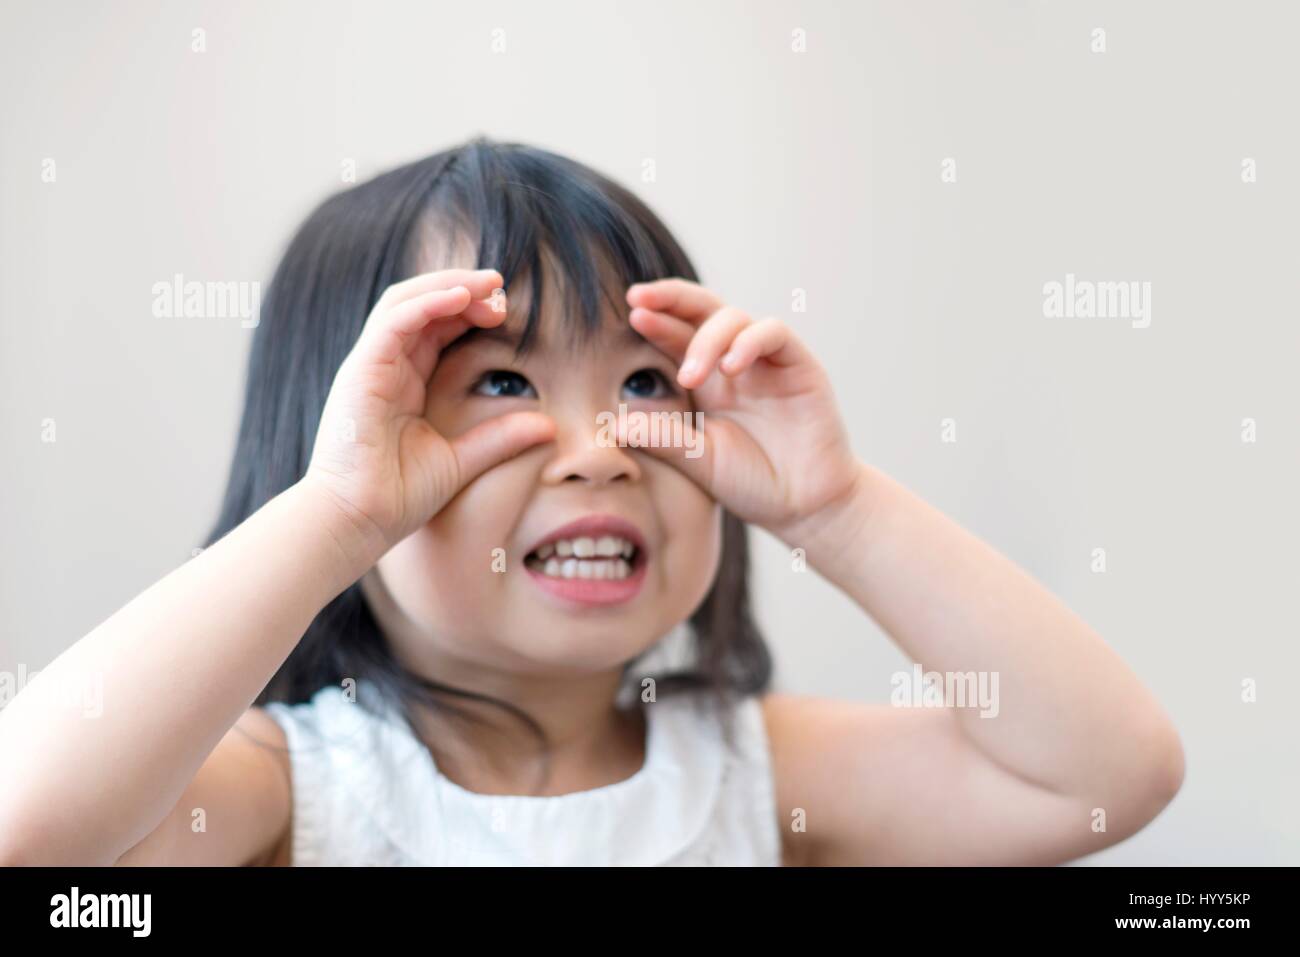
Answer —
(337, 728)
(329, 708)
(792, 752)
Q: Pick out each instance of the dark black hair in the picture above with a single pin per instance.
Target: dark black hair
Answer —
(519, 204)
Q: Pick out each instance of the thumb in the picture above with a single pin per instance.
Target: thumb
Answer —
(676, 440)
(493, 442)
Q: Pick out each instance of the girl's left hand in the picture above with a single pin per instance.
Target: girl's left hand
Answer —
(775, 450)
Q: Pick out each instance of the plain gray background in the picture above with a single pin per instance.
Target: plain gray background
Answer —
(779, 171)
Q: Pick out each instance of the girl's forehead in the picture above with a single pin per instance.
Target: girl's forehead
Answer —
(559, 328)
(563, 318)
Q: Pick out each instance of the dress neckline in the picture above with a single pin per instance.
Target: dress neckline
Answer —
(651, 750)
(649, 817)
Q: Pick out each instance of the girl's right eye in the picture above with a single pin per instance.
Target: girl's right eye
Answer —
(503, 383)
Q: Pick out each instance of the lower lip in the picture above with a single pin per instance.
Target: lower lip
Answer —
(589, 592)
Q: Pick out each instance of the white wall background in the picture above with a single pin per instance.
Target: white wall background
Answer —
(778, 170)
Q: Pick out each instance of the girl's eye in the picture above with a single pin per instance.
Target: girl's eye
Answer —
(504, 384)
(648, 384)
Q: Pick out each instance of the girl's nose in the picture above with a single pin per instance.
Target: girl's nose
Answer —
(586, 451)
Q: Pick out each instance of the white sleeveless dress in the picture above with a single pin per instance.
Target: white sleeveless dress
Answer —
(367, 792)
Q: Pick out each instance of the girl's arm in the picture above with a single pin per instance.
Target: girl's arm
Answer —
(1074, 755)
(183, 661)
(179, 665)
(245, 793)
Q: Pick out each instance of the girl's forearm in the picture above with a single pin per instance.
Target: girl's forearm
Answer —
(1070, 715)
(178, 666)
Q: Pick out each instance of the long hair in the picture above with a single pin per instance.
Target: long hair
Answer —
(515, 202)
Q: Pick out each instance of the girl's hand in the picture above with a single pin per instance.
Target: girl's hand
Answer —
(775, 451)
(376, 457)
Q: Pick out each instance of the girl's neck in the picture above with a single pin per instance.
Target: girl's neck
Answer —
(590, 742)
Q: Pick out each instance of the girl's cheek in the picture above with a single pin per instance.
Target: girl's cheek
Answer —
(446, 569)
(692, 530)
(480, 517)
(694, 567)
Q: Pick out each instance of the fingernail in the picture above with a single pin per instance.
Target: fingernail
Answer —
(688, 369)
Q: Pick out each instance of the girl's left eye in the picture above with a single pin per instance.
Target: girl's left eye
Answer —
(503, 383)
(648, 384)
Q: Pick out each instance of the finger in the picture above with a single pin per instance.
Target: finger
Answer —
(407, 320)
(488, 312)
(666, 333)
(492, 442)
(679, 297)
(769, 339)
(692, 455)
(429, 343)
(479, 282)
(436, 335)
(710, 342)
(390, 332)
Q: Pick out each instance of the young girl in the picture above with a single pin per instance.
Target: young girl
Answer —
(422, 627)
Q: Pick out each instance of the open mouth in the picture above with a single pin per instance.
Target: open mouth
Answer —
(597, 560)
(607, 558)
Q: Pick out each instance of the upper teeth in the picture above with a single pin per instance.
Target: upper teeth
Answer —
(609, 546)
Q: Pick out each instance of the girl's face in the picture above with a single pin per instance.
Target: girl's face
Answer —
(576, 555)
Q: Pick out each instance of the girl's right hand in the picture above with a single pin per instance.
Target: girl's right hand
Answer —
(376, 457)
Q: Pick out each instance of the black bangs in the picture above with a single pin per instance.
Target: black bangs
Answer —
(549, 226)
